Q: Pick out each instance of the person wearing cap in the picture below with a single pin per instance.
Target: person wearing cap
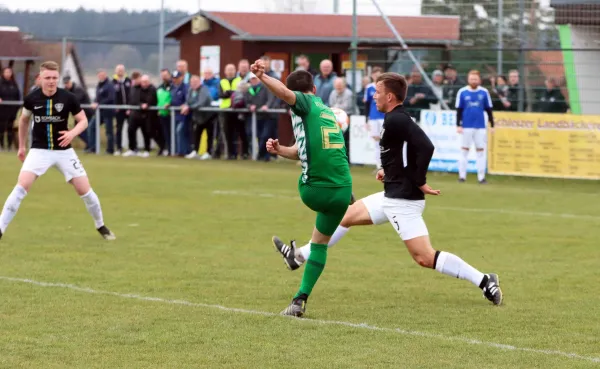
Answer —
(179, 93)
(452, 83)
(259, 99)
(82, 98)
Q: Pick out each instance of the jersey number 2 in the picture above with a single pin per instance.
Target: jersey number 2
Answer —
(326, 132)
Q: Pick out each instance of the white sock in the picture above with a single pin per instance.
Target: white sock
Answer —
(454, 266)
(377, 154)
(462, 164)
(480, 165)
(337, 236)
(92, 203)
(11, 206)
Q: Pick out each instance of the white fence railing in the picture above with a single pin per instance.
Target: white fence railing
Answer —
(172, 112)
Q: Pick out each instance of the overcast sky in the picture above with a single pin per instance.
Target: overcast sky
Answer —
(392, 7)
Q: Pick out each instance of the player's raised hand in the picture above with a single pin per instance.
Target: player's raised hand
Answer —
(21, 154)
(429, 191)
(380, 175)
(258, 68)
(273, 146)
(65, 139)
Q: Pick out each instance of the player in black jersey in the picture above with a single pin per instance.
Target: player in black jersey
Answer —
(51, 146)
(405, 154)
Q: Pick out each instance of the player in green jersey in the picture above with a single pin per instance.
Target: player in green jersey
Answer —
(325, 184)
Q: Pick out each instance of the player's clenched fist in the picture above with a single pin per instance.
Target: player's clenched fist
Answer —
(258, 68)
(273, 146)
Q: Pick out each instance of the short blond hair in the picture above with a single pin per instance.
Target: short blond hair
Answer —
(49, 65)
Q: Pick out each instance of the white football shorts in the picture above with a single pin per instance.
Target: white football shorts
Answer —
(38, 161)
(406, 216)
(375, 127)
(477, 136)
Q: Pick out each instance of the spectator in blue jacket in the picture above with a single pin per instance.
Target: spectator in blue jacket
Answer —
(105, 95)
(179, 93)
(211, 82)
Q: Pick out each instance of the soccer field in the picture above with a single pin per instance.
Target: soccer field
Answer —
(192, 280)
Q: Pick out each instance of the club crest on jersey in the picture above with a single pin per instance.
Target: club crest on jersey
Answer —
(59, 107)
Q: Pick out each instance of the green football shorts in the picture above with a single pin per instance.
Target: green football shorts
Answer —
(330, 204)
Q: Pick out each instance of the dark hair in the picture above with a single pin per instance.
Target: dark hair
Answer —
(503, 78)
(376, 69)
(300, 80)
(135, 75)
(165, 70)
(394, 83)
(12, 73)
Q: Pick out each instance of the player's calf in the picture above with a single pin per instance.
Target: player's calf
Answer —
(11, 206)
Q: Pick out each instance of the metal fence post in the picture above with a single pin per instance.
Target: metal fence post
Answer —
(254, 143)
(97, 138)
(172, 131)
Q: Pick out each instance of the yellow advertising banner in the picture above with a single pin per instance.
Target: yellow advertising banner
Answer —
(545, 145)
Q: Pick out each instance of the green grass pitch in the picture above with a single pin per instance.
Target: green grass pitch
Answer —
(193, 282)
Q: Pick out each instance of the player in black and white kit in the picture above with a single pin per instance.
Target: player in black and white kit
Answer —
(51, 147)
(405, 155)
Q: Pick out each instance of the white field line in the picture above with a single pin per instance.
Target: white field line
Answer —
(433, 207)
(365, 326)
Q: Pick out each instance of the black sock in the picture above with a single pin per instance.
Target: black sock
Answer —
(437, 253)
(484, 281)
(302, 297)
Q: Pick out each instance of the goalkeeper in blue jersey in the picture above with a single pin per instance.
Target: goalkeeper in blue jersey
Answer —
(472, 102)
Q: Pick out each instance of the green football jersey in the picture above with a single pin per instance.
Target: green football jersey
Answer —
(321, 146)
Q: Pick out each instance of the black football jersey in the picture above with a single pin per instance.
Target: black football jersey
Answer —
(50, 116)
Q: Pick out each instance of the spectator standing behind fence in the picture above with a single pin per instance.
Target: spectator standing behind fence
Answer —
(9, 91)
(244, 70)
(105, 95)
(163, 96)
(324, 80)
(182, 67)
(513, 92)
(82, 98)
(238, 131)
(227, 86)
(122, 85)
(360, 96)
(198, 97)
(259, 99)
(268, 71)
(437, 78)
(418, 96)
(143, 94)
(304, 64)
(179, 92)
(452, 83)
(499, 91)
(374, 116)
(341, 98)
(551, 99)
(212, 126)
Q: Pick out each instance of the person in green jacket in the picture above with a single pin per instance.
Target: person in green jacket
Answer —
(163, 96)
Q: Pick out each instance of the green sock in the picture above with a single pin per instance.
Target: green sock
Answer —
(313, 268)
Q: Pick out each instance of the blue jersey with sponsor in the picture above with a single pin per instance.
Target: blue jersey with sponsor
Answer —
(474, 103)
(374, 114)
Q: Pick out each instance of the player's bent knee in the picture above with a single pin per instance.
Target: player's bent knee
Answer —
(421, 251)
(357, 214)
(26, 180)
(81, 185)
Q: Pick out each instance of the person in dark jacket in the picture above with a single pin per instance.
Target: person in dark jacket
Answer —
(144, 96)
(105, 95)
(199, 96)
(452, 83)
(499, 92)
(122, 85)
(513, 92)
(179, 92)
(9, 91)
(418, 96)
(83, 99)
(259, 99)
(552, 100)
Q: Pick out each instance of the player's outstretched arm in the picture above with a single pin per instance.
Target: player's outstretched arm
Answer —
(274, 85)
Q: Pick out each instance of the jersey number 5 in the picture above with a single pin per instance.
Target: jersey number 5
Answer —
(330, 142)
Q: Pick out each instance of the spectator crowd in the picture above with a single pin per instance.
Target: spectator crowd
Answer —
(229, 134)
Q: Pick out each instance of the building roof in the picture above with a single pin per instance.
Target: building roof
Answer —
(331, 27)
(14, 46)
(53, 51)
